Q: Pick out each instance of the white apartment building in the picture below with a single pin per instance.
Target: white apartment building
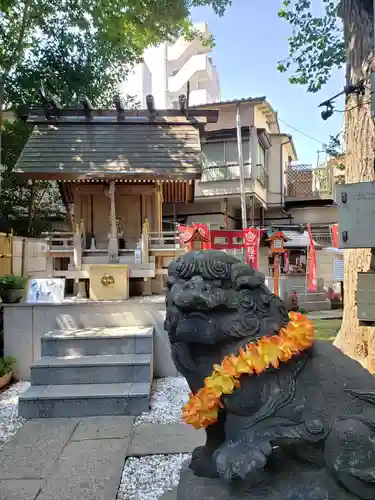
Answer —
(167, 68)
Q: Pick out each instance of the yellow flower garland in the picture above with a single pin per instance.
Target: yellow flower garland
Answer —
(203, 407)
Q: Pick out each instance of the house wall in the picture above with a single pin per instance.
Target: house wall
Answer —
(274, 184)
(227, 116)
(253, 115)
(263, 260)
(325, 262)
(211, 213)
(260, 119)
(315, 215)
(280, 154)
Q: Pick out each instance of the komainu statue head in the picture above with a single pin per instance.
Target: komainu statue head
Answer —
(215, 304)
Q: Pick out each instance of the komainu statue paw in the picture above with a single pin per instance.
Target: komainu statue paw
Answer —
(239, 460)
(202, 463)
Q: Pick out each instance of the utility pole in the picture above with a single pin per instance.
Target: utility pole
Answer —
(241, 165)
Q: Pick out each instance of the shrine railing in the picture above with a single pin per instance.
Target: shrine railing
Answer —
(164, 239)
(59, 240)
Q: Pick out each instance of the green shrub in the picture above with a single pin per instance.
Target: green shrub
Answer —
(6, 365)
(12, 282)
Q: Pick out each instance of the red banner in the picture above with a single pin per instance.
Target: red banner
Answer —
(286, 262)
(185, 233)
(312, 282)
(335, 235)
(252, 240)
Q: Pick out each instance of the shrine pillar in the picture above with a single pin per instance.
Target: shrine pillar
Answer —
(158, 285)
(157, 209)
(113, 240)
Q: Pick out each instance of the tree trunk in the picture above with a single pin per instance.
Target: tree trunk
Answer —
(2, 91)
(357, 341)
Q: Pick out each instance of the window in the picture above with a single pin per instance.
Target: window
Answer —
(261, 155)
(262, 171)
(220, 160)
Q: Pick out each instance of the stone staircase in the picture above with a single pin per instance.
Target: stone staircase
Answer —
(91, 372)
(315, 301)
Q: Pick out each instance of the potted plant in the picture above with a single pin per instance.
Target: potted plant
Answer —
(6, 365)
(12, 288)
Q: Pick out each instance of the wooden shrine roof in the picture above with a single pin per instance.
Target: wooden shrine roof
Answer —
(87, 143)
(65, 152)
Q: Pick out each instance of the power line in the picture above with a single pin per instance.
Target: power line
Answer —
(301, 132)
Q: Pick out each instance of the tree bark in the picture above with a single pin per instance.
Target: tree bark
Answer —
(354, 340)
(2, 89)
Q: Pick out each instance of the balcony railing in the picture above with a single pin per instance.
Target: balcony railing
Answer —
(224, 173)
(304, 181)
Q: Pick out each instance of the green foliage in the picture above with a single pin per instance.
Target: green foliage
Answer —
(316, 46)
(334, 149)
(75, 48)
(119, 29)
(12, 282)
(6, 365)
(27, 206)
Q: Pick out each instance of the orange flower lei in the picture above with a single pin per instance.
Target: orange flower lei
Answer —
(203, 407)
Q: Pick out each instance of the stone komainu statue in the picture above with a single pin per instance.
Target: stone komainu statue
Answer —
(312, 419)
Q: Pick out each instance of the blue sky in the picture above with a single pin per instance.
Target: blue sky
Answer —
(250, 40)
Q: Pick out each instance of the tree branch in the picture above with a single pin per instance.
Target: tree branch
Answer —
(13, 57)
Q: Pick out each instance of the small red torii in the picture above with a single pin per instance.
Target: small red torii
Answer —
(200, 237)
(195, 237)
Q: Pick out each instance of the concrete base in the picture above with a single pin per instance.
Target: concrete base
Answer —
(25, 324)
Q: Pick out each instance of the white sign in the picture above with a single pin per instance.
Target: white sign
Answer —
(338, 269)
(46, 290)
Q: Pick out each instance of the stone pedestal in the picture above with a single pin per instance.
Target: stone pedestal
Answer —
(282, 479)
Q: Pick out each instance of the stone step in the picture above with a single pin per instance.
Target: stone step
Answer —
(102, 369)
(97, 341)
(312, 297)
(84, 400)
(323, 305)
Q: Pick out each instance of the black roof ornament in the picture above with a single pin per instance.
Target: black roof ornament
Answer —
(119, 103)
(87, 106)
(51, 105)
(150, 103)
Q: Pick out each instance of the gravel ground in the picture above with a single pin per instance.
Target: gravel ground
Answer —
(10, 423)
(148, 478)
(167, 399)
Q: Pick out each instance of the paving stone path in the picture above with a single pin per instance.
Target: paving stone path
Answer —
(82, 459)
